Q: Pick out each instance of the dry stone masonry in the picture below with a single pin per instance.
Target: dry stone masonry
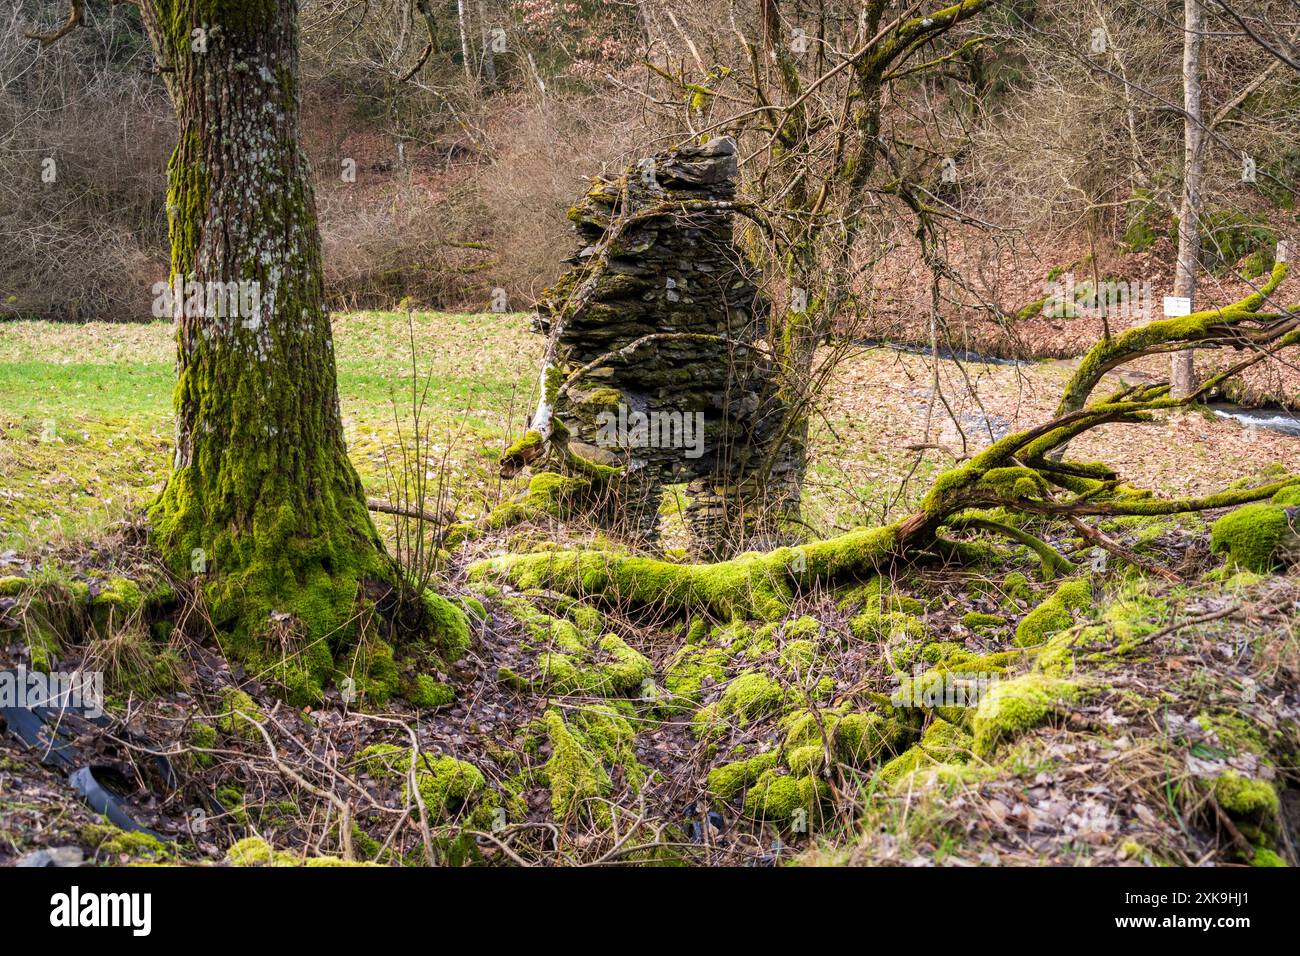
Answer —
(656, 330)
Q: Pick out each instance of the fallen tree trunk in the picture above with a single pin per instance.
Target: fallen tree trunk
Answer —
(764, 585)
(1240, 325)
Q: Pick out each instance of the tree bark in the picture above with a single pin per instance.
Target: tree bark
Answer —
(262, 497)
(461, 18)
(1182, 373)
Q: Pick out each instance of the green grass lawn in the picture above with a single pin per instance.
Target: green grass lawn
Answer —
(86, 416)
(86, 421)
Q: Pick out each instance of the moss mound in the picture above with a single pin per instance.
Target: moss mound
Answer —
(1054, 614)
(588, 750)
(1253, 536)
(1012, 708)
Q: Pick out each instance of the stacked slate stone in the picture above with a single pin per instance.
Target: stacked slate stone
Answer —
(656, 258)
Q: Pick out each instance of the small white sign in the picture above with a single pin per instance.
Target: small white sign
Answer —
(1177, 305)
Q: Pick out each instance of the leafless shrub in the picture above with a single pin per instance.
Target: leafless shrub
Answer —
(82, 170)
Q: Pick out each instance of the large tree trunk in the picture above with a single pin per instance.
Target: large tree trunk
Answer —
(262, 497)
(1182, 373)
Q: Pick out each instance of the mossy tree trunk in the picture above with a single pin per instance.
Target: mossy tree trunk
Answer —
(261, 496)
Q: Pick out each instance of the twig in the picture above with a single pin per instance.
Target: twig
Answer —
(405, 511)
(1199, 619)
(343, 806)
(1105, 541)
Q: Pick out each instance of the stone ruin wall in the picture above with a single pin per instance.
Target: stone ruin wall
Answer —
(658, 243)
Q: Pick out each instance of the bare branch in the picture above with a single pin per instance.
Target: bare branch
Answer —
(76, 16)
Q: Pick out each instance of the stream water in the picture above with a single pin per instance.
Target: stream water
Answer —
(1274, 419)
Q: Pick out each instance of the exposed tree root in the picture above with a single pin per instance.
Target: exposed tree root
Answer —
(759, 586)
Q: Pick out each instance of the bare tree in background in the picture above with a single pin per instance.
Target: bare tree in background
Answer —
(1182, 372)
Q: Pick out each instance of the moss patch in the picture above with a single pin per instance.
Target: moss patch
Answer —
(786, 799)
(1055, 613)
(1251, 536)
(748, 697)
(588, 750)
(117, 845)
(730, 780)
(255, 851)
(239, 715)
(1011, 708)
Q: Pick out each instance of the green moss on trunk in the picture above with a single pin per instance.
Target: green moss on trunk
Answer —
(262, 501)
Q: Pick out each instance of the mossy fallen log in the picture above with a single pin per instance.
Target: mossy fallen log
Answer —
(1230, 325)
(1014, 473)
(759, 586)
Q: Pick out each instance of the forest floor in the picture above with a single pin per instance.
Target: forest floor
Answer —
(1156, 722)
